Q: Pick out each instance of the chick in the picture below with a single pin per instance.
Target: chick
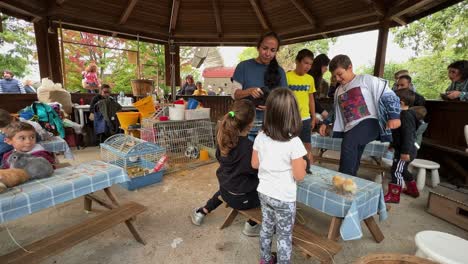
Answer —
(338, 182)
(350, 186)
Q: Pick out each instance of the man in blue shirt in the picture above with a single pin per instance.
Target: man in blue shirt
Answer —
(10, 85)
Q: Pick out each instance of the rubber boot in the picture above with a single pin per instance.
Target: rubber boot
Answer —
(393, 194)
(411, 189)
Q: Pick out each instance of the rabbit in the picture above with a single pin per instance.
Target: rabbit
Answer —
(12, 177)
(35, 167)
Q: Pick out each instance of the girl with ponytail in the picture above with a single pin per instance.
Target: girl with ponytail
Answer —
(253, 79)
(237, 179)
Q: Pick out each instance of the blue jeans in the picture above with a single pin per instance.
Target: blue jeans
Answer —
(354, 143)
(258, 122)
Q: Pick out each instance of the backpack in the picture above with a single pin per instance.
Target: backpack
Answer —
(46, 114)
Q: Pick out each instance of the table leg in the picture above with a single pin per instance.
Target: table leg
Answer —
(87, 204)
(374, 229)
(82, 122)
(334, 230)
(128, 222)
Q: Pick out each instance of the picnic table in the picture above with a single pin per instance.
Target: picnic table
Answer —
(376, 150)
(64, 185)
(57, 144)
(347, 210)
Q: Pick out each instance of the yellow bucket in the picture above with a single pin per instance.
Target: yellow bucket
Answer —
(204, 155)
(127, 118)
(145, 106)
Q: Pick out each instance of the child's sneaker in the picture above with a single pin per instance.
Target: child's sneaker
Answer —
(251, 231)
(197, 218)
(273, 259)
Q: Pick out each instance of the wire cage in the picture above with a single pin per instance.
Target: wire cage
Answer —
(182, 140)
(137, 157)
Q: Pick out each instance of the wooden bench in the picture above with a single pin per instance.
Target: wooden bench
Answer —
(311, 244)
(59, 242)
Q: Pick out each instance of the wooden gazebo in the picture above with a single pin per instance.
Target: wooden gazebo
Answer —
(213, 22)
(176, 23)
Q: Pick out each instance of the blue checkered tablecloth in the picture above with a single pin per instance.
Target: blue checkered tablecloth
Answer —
(374, 148)
(65, 184)
(318, 192)
(57, 144)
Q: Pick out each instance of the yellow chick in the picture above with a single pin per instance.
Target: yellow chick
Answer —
(350, 186)
(338, 181)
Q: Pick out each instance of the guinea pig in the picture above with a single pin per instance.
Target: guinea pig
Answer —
(35, 167)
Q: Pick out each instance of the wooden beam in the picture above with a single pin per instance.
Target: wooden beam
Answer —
(60, 2)
(400, 21)
(128, 10)
(19, 8)
(376, 6)
(261, 17)
(219, 27)
(40, 31)
(305, 12)
(174, 14)
(406, 7)
(381, 50)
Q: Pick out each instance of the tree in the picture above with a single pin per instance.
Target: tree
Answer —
(444, 30)
(16, 42)
(438, 40)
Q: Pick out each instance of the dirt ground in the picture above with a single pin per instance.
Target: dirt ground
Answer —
(171, 237)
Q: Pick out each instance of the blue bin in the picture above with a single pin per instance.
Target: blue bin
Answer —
(142, 181)
(192, 104)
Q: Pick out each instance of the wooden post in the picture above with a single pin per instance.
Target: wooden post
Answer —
(381, 49)
(40, 31)
(48, 51)
(54, 55)
(172, 62)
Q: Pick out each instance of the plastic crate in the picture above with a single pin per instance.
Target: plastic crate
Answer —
(201, 113)
(142, 181)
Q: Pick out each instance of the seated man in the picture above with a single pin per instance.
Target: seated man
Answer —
(397, 76)
(404, 82)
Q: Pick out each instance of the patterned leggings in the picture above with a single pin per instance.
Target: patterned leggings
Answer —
(279, 214)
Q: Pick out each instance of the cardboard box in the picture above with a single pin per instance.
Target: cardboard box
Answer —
(449, 203)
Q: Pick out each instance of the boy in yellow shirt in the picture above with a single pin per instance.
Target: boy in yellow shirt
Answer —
(302, 84)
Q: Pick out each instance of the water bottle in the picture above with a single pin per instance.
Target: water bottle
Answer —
(121, 98)
(160, 163)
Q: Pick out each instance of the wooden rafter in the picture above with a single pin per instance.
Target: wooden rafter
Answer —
(378, 8)
(406, 7)
(128, 10)
(21, 10)
(261, 17)
(305, 12)
(217, 14)
(174, 14)
(60, 2)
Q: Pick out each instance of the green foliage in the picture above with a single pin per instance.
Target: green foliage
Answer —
(444, 30)
(287, 53)
(16, 41)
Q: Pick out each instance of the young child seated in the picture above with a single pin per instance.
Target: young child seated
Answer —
(5, 120)
(22, 137)
(404, 138)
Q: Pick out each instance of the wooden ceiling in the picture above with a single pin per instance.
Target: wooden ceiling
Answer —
(223, 22)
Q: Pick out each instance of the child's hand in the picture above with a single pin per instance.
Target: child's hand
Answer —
(453, 94)
(405, 157)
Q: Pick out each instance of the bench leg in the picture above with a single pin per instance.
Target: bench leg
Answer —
(128, 222)
(87, 204)
(374, 229)
(435, 179)
(421, 178)
(334, 230)
(229, 219)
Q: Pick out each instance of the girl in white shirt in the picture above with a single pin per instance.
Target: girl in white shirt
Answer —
(277, 154)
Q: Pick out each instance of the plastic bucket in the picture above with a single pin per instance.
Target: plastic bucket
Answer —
(176, 113)
(204, 155)
(145, 106)
(192, 103)
(127, 118)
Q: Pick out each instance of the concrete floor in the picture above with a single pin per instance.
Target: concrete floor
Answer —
(171, 237)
